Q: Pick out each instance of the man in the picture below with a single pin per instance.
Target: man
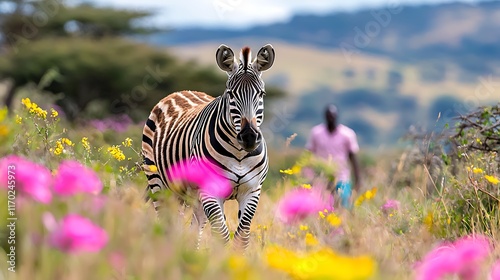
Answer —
(337, 142)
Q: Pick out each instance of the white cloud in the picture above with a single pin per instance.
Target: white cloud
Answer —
(243, 13)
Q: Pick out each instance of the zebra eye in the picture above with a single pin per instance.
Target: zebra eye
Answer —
(262, 94)
(230, 93)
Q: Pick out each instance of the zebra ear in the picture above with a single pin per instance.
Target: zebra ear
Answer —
(264, 59)
(225, 58)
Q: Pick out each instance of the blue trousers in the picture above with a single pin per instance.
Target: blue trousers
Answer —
(344, 190)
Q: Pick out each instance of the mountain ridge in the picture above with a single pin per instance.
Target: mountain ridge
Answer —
(450, 31)
(425, 60)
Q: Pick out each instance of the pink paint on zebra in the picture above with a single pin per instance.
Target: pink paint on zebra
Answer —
(201, 174)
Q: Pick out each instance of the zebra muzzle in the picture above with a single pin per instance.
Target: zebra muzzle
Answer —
(249, 137)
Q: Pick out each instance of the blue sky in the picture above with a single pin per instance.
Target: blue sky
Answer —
(244, 13)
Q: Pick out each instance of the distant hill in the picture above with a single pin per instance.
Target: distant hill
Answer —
(387, 68)
(407, 33)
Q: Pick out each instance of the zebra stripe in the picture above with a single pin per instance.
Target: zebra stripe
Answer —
(189, 125)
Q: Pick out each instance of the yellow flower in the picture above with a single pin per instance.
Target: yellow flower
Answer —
(19, 120)
(59, 149)
(262, 227)
(127, 142)
(26, 102)
(429, 221)
(38, 111)
(304, 227)
(53, 113)
(296, 169)
(85, 143)
(322, 264)
(239, 268)
(4, 130)
(477, 170)
(492, 179)
(236, 262)
(286, 171)
(153, 168)
(369, 194)
(67, 142)
(116, 153)
(311, 240)
(306, 186)
(123, 169)
(334, 220)
(321, 214)
(359, 200)
(34, 109)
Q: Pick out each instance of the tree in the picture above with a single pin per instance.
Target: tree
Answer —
(479, 131)
(32, 20)
(96, 63)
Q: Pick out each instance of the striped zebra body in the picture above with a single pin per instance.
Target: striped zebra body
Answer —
(190, 125)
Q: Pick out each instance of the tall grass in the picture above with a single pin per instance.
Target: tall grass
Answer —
(142, 247)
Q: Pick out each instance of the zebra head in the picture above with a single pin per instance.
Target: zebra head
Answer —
(245, 92)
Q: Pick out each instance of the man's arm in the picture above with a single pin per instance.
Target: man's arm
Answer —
(355, 169)
(311, 145)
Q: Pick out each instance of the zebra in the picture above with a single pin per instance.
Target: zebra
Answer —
(191, 125)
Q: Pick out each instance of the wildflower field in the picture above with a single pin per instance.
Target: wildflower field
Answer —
(72, 207)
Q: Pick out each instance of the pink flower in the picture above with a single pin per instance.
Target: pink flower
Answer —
(390, 205)
(495, 271)
(298, 204)
(26, 177)
(202, 174)
(461, 257)
(97, 203)
(73, 178)
(75, 234)
(117, 261)
(308, 173)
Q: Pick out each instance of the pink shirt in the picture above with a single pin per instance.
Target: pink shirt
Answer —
(335, 147)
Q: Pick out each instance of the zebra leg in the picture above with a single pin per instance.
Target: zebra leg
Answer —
(155, 185)
(247, 207)
(199, 221)
(214, 211)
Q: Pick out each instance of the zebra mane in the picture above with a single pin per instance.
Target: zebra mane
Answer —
(245, 57)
